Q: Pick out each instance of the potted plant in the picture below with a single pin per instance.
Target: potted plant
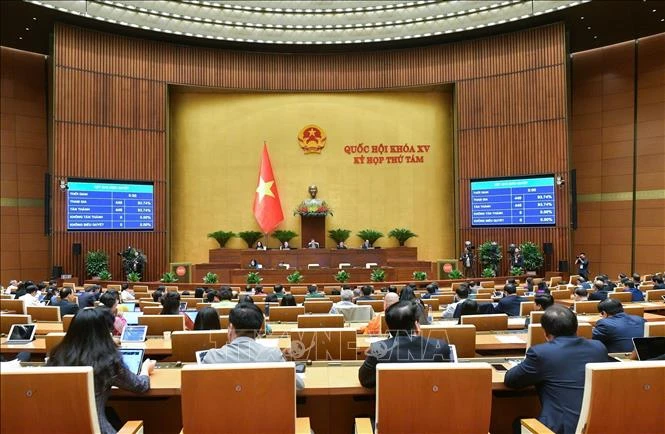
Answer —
(104, 275)
(377, 275)
(253, 278)
(133, 276)
(516, 271)
(401, 235)
(96, 261)
(169, 277)
(210, 278)
(342, 276)
(222, 237)
(250, 237)
(370, 235)
(339, 235)
(533, 256)
(455, 274)
(490, 255)
(284, 235)
(488, 272)
(419, 275)
(295, 277)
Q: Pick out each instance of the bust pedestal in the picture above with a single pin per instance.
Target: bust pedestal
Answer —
(312, 227)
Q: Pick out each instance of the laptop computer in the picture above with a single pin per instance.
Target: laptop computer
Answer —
(131, 305)
(132, 318)
(134, 333)
(192, 314)
(650, 348)
(21, 333)
(133, 358)
(200, 355)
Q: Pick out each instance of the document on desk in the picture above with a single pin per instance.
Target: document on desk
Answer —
(271, 343)
(516, 321)
(375, 339)
(508, 339)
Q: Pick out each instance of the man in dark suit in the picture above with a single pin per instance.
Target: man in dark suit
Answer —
(67, 302)
(617, 329)
(510, 303)
(404, 345)
(556, 368)
(367, 293)
(583, 265)
(601, 291)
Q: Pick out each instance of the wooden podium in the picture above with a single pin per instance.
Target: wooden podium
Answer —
(312, 227)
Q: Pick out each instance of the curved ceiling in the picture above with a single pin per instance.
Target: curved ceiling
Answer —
(308, 22)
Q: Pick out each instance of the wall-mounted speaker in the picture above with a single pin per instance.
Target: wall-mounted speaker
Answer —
(573, 202)
(563, 266)
(76, 249)
(548, 248)
(56, 271)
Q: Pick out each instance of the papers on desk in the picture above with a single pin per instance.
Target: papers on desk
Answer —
(507, 339)
(375, 339)
(301, 375)
(270, 343)
(516, 320)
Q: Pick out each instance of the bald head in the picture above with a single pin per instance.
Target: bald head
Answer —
(390, 299)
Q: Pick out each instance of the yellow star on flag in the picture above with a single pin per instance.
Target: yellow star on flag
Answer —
(265, 188)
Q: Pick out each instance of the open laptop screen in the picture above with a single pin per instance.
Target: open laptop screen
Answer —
(133, 358)
(650, 348)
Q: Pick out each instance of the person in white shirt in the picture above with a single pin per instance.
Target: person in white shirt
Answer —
(461, 294)
(313, 244)
(126, 294)
(346, 301)
(13, 286)
(30, 298)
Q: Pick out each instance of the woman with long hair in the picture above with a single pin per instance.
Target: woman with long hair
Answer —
(109, 300)
(207, 319)
(171, 306)
(409, 294)
(89, 343)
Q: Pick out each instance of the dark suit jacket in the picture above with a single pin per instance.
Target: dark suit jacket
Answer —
(509, 305)
(556, 368)
(86, 299)
(401, 349)
(598, 295)
(67, 308)
(617, 331)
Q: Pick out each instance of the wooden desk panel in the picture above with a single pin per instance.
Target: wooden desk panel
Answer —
(649, 306)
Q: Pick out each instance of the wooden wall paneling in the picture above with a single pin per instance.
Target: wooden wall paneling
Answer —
(111, 90)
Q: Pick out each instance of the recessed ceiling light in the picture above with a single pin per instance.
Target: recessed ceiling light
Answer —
(20, 37)
(34, 18)
(588, 28)
(27, 28)
(581, 18)
(595, 37)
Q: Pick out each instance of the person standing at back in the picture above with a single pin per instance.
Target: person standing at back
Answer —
(557, 369)
(616, 329)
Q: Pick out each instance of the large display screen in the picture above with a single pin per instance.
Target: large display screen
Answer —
(94, 205)
(520, 201)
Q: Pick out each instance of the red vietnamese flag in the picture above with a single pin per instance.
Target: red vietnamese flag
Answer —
(267, 206)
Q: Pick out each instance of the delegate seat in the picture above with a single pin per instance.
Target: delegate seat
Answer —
(655, 328)
(462, 336)
(526, 307)
(323, 344)
(356, 313)
(184, 344)
(12, 306)
(484, 323)
(8, 320)
(27, 401)
(312, 306)
(431, 410)
(298, 290)
(587, 307)
(654, 294)
(158, 324)
(623, 297)
(642, 383)
(434, 302)
(224, 321)
(560, 294)
(53, 339)
(243, 385)
(286, 313)
(536, 334)
(309, 321)
(44, 313)
(444, 298)
(113, 287)
(536, 315)
(377, 305)
(634, 309)
(66, 321)
(152, 310)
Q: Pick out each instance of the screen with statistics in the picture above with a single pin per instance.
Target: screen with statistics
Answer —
(523, 201)
(95, 205)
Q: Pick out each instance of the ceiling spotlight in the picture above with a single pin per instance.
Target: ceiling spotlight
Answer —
(20, 37)
(653, 10)
(581, 18)
(588, 28)
(34, 18)
(595, 37)
(27, 28)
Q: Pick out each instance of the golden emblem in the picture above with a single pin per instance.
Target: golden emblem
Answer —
(312, 139)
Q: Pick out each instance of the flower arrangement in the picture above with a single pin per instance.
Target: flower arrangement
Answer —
(169, 277)
(419, 275)
(295, 277)
(377, 275)
(342, 276)
(455, 274)
(253, 278)
(313, 209)
(210, 278)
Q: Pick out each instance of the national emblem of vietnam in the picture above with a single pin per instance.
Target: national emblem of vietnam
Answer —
(312, 139)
